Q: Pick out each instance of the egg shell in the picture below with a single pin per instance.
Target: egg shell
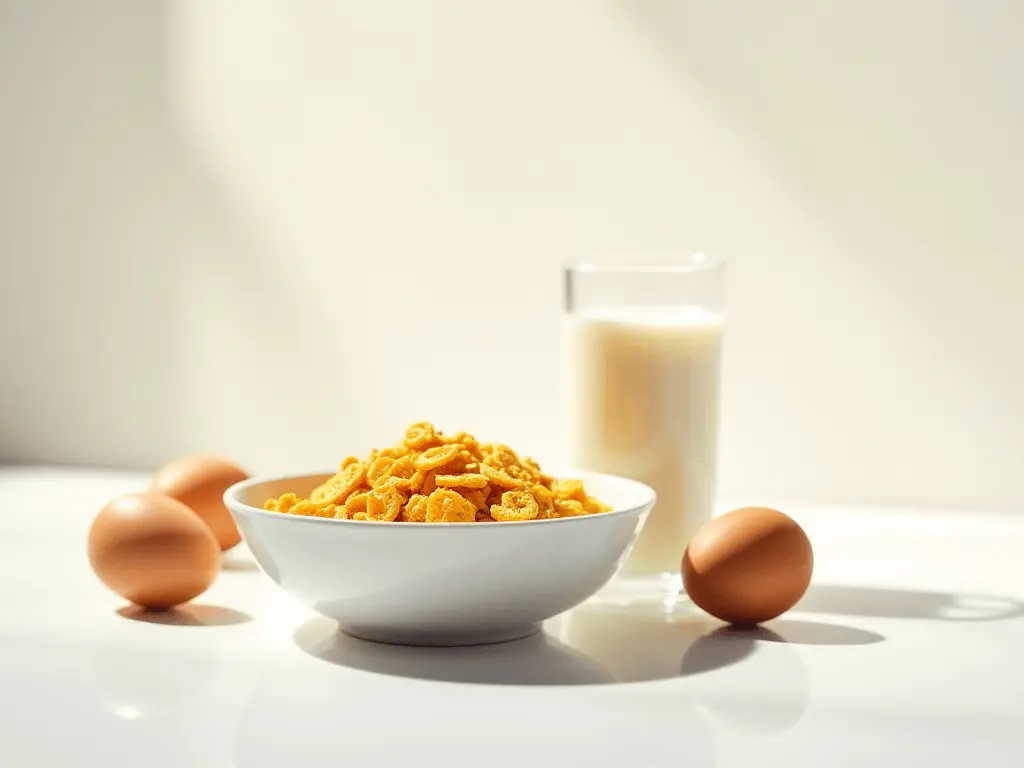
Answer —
(199, 481)
(153, 550)
(748, 565)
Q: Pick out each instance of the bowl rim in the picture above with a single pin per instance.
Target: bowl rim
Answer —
(235, 506)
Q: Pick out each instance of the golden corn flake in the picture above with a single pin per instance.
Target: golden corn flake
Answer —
(401, 475)
(494, 495)
(476, 497)
(415, 510)
(570, 489)
(447, 506)
(568, 508)
(282, 504)
(430, 477)
(429, 483)
(461, 481)
(379, 469)
(438, 456)
(309, 509)
(545, 501)
(516, 505)
(499, 477)
(384, 503)
(356, 504)
(421, 436)
(337, 489)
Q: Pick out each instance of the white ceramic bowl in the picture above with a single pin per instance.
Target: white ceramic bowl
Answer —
(439, 583)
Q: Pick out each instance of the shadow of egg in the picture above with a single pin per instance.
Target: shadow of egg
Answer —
(796, 632)
(536, 660)
(764, 691)
(143, 670)
(187, 615)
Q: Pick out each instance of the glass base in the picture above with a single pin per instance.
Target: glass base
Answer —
(665, 589)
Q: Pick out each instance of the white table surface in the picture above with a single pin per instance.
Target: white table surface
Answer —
(909, 646)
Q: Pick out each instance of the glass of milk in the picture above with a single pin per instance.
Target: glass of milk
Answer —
(641, 350)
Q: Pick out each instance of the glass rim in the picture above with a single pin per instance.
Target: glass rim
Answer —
(697, 262)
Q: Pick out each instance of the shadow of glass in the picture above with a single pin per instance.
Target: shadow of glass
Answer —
(536, 660)
(189, 615)
(907, 604)
(642, 642)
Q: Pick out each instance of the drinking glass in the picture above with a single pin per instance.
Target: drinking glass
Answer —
(641, 351)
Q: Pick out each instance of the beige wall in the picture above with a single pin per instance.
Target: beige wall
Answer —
(283, 230)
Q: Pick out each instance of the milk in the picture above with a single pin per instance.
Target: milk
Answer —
(642, 402)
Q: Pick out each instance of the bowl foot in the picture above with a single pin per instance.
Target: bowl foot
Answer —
(441, 639)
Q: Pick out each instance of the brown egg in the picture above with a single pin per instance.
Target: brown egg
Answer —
(153, 550)
(199, 482)
(748, 566)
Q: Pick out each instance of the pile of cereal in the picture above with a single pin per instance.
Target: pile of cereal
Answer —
(435, 478)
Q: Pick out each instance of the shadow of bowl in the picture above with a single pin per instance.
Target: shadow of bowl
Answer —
(535, 660)
(310, 713)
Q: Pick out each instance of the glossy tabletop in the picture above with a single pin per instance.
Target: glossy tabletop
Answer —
(908, 647)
